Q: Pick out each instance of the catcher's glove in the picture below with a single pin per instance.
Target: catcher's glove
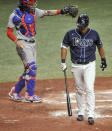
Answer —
(70, 10)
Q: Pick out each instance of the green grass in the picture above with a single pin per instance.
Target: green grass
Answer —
(50, 33)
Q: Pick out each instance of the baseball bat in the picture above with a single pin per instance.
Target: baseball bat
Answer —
(67, 96)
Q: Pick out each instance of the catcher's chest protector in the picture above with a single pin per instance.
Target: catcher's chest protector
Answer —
(27, 23)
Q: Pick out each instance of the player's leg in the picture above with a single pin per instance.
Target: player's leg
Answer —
(26, 56)
(89, 78)
(20, 84)
(14, 93)
(31, 73)
(77, 71)
(30, 83)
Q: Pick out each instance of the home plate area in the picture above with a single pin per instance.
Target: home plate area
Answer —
(52, 114)
(103, 104)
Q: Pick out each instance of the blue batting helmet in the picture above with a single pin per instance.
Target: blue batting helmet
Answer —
(83, 20)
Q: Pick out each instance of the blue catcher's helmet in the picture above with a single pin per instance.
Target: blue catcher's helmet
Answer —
(83, 20)
(27, 5)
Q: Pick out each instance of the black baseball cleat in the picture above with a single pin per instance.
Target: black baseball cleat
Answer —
(90, 120)
(80, 118)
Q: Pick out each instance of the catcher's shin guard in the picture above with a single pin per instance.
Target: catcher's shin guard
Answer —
(20, 84)
(31, 78)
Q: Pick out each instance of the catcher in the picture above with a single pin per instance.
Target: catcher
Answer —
(23, 19)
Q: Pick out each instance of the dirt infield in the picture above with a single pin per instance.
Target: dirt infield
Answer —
(51, 114)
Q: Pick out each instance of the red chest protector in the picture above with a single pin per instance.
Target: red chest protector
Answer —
(28, 25)
(27, 22)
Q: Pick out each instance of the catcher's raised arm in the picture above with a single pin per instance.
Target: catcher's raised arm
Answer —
(69, 10)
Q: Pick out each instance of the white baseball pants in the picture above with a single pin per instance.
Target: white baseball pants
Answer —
(84, 77)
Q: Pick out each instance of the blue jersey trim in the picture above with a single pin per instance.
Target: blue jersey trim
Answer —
(84, 47)
(100, 45)
(65, 44)
(81, 49)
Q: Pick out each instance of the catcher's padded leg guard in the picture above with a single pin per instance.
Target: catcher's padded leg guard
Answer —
(31, 78)
(20, 84)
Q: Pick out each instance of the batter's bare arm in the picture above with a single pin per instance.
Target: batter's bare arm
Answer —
(63, 53)
(63, 58)
(101, 52)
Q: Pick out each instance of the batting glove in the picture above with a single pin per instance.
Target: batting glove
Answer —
(63, 66)
(103, 64)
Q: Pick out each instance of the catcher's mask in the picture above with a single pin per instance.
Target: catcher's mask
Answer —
(27, 5)
(83, 20)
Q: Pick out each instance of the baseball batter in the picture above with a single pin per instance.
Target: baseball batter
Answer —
(83, 42)
(23, 19)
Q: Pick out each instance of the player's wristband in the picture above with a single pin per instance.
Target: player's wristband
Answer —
(58, 11)
(62, 60)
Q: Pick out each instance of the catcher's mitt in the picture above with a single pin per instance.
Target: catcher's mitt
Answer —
(70, 10)
(73, 11)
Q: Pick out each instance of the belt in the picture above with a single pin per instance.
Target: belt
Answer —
(82, 63)
(31, 41)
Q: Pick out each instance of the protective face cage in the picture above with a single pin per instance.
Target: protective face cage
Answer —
(27, 5)
(83, 20)
(27, 1)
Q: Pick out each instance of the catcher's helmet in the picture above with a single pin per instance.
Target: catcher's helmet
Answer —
(83, 20)
(27, 5)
